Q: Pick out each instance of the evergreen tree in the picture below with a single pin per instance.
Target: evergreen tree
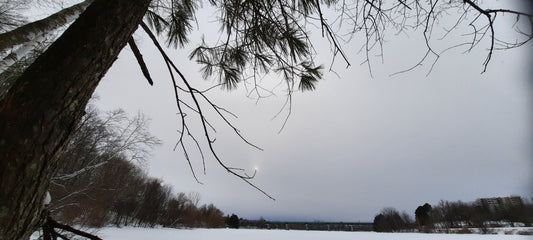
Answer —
(233, 221)
(423, 217)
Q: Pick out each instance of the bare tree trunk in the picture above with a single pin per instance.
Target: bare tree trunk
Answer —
(31, 31)
(21, 46)
(47, 101)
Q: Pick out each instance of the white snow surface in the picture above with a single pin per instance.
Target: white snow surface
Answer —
(111, 233)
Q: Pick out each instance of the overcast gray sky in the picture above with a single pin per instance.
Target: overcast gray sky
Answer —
(355, 145)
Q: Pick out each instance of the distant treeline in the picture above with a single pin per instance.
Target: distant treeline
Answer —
(311, 226)
(98, 181)
(484, 213)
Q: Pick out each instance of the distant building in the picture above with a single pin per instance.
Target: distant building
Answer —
(500, 203)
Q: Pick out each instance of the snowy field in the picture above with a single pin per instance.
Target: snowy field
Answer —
(249, 234)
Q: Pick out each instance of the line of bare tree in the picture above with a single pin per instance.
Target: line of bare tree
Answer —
(454, 216)
(449, 215)
(100, 183)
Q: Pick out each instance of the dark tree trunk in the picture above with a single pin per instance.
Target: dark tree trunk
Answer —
(46, 102)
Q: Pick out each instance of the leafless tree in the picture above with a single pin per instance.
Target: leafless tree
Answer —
(99, 183)
(94, 163)
(389, 220)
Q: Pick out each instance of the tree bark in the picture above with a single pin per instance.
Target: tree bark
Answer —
(21, 46)
(30, 31)
(44, 105)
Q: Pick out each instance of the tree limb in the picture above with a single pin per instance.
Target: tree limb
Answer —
(140, 60)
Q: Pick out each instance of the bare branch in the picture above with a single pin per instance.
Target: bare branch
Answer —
(140, 60)
(192, 91)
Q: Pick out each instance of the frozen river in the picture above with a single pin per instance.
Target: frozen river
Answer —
(251, 234)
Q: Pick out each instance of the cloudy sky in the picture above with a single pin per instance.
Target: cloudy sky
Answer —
(358, 143)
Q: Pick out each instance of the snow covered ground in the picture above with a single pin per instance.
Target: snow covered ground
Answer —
(251, 234)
